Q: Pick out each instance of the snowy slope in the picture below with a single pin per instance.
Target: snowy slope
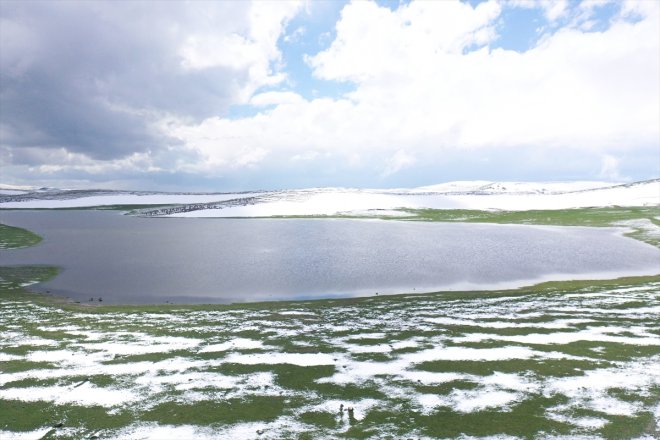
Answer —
(41, 199)
(479, 195)
(514, 187)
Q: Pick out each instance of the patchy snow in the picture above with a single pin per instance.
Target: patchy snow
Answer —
(302, 203)
(294, 313)
(598, 334)
(478, 400)
(514, 187)
(591, 390)
(275, 429)
(300, 359)
(478, 195)
(379, 348)
(234, 344)
(183, 381)
(359, 201)
(607, 386)
(4, 357)
(109, 199)
(153, 431)
(37, 434)
(582, 422)
(557, 324)
(469, 401)
(357, 372)
(85, 394)
(510, 381)
(366, 336)
(430, 402)
(400, 345)
(470, 354)
(145, 345)
(15, 339)
(644, 225)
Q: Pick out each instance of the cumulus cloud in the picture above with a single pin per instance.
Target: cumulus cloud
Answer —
(609, 168)
(398, 161)
(552, 9)
(417, 86)
(266, 99)
(97, 78)
(141, 87)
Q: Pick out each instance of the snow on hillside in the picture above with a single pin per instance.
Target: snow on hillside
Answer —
(22, 188)
(514, 187)
(478, 195)
(110, 199)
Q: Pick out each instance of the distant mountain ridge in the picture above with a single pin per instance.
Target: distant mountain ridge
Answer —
(477, 195)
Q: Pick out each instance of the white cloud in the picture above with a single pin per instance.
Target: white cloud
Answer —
(253, 49)
(609, 168)
(426, 86)
(415, 87)
(275, 98)
(398, 161)
(374, 41)
(555, 9)
(94, 77)
(552, 9)
(296, 35)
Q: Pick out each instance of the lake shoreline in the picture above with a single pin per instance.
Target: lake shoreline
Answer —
(46, 297)
(132, 260)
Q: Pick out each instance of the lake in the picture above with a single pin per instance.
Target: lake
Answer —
(126, 259)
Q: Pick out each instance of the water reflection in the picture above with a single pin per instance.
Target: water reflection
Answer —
(135, 260)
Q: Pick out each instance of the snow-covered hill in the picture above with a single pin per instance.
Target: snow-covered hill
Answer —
(482, 186)
(479, 195)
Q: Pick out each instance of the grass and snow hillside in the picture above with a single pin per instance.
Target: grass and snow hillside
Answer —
(560, 360)
(475, 195)
(566, 361)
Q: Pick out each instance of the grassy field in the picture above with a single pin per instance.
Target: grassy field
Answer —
(14, 238)
(563, 359)
(574, 359)
(643, 223)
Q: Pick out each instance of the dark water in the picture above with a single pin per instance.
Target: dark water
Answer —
(147, 260)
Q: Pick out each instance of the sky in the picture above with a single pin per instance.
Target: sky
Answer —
(241, 95)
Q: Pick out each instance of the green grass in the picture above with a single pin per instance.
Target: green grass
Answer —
(591, 217)
(15, 238)
(12, 278)
(525, 420)
(541, 368)
(254, 408)
(560, 217)
(299, 394)
(25, 416)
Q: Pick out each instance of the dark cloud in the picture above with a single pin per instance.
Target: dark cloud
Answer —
(93, 77)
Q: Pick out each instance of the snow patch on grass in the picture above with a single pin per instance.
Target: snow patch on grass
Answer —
(300, 359)
(234, 344)
(597, 334)
(470, 354)
(356, 348)
(478, 400)
(36, 434)
(141, 344)
(85, 394)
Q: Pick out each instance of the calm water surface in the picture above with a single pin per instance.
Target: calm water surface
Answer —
(128, 259)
